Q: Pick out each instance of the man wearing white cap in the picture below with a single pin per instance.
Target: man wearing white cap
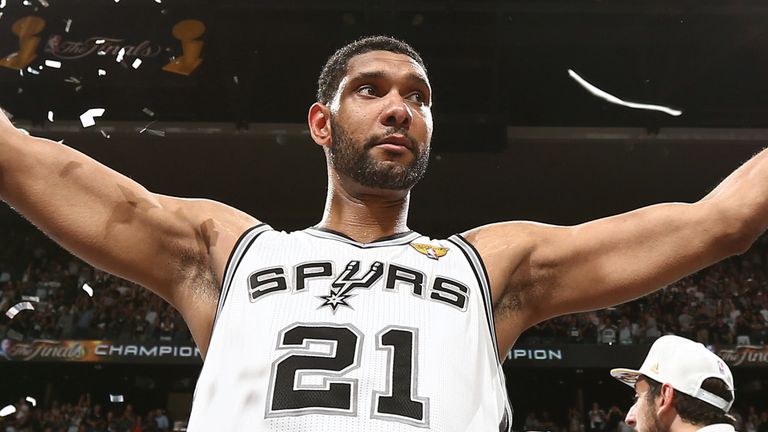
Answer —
(681, 387)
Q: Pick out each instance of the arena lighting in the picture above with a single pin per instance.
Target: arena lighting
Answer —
(613, 99)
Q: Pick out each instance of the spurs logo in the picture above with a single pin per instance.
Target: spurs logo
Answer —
(343, 286)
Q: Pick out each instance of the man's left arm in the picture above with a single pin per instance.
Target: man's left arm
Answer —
(540, 271)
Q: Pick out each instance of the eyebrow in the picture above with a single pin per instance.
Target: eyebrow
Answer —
(412, 76)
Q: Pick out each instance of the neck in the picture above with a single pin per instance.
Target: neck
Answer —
(364, 214)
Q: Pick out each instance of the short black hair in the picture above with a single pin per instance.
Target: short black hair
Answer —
(696, 411)
(336, 66)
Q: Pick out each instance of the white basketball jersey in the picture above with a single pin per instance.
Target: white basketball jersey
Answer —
(317, 332)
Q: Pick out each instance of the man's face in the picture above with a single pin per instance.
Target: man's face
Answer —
(642, 415)
(381, 121)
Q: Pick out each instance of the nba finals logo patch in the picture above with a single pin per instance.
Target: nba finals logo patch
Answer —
(434, 252)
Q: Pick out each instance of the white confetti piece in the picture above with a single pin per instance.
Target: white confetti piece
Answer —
(613, 99)
(8, 410)
(2, 4)
(155, 132)
(236, 79)
(50, 116)
(120, 55)
(72, 80)
(87, 118)
(31, 298)
(102, 72)
(118, 398)
(44, 3)
(78, 88)
(136, 63)
(69, 24)
(87, 288)
(99, 41)
(105, 135)
(26, 3)
(148, 112)
(53, 64)
(31, 400)
(18, 307)
(33, 71)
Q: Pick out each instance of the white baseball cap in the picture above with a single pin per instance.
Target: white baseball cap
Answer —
(683, 364)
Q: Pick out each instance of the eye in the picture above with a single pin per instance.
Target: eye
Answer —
(366, 90)
(416, 97)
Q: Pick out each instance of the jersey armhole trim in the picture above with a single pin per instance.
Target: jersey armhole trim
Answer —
(478, 267)
(236, 256)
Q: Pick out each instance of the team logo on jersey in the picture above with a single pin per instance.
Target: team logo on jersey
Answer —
(342, 287)
(434, 252)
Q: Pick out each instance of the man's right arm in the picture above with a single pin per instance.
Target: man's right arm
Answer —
(166, 244)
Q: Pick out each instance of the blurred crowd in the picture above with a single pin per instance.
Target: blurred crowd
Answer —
(85, 416)
(57, 285)
(723, 304)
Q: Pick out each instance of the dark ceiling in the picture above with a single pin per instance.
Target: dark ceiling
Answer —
(491, 62)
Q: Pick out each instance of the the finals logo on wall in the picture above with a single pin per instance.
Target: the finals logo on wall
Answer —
(62, 47)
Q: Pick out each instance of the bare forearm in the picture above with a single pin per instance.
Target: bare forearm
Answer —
(743, 197)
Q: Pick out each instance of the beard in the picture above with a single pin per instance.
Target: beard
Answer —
(353, 160)
(652, 422)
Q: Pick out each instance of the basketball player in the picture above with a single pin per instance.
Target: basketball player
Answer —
(359, 323)
(681, 387)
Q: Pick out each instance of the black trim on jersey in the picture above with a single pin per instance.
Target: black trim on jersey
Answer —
(335, 235)
(482, 279)
(225, 290)
(482, 275)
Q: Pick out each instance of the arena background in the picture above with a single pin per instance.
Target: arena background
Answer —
(515, 138)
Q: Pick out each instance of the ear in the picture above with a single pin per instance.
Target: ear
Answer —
(319, 119)
(665, 401)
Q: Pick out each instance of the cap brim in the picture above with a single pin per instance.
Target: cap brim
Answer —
(627, 376)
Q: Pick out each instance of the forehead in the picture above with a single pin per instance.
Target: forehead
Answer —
(390, 63)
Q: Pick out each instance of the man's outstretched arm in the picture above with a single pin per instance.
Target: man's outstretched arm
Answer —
(540, 271)
(176, 247)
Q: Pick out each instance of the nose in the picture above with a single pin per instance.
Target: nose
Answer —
(397, 114)
(631, 419)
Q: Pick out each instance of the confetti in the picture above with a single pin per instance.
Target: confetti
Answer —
(26, 3)
(69, 24)
(33, 71)
(72, 80)
(116, 398)
(613, 99)
(8, 410)
(78, 88)
(105, 135)
(32, 400)
(53, 64)
(31, 298)
(102, 72)
(99, 41)
(236, 80)
(87, 118)
(44, 3)
(148, 112)
(154, 132)
(50, 116)
(2, 4)
(136, 63)
(18, 307)
(120, 55)
(87, 288)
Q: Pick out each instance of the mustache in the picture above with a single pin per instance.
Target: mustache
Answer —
(376, 139)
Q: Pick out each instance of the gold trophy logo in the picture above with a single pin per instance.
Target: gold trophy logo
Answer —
(187, 32)
(25, 28)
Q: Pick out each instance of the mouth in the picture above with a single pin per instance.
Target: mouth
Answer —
(396, 142)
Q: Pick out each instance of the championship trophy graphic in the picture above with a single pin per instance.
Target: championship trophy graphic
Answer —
(187, 32)
(25, 28)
